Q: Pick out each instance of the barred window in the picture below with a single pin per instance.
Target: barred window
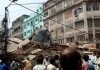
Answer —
(89, 22)
(97, 22)
(95, 7)
(79, 25)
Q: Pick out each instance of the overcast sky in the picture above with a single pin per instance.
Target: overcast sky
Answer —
(15, 11)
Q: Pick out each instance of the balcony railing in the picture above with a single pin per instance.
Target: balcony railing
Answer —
(51, 3)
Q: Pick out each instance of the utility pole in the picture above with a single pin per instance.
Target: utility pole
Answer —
(5, 33)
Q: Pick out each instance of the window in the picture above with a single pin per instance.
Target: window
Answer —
(28, 23)
(45, 14)
(41, 8)
(60, 30)
(31, 23)
(36, 28)
(68, 15)
(61, 41)
(81, 37)
(28, 31)
(69, 27)
(52, 10)
(97, 22)
(71, 39)
(95, 7)
(97, 30)
(75, 1)
(37, 10)
(25, 26)
(36, 19)
(60, 18)
(89, 22)
(52, 23)
(25, 34)
(90, 36)
(40, 18)
(31, 31)
(78, 11)
(40, 26)
(59, 6)
(79, 25)
(88, 8)
(67, 3)
(98, 36)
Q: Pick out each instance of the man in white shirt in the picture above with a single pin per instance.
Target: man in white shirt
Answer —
(93, 58)
(51, 66)
(45, 62)
(98, 60)
(39, 65)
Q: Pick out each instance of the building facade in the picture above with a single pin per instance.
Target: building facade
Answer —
(17, 28)
(73, 20)
(33, 23)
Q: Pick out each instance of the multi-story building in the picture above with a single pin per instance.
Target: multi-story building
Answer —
(33, 23)
(17, 28)
(73, 20)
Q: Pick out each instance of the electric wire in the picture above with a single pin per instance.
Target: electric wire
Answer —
(29, 3)
(50, 19)
(43, 15)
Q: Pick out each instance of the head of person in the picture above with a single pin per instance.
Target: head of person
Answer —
(52, 60)
(56, 57)
(0, 61)
(40, 59)
(98, 54)
(27, 59)
(46, 58)
(70, 59)
(94, 53)
(85, 57)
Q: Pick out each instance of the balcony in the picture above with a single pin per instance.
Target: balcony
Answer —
(98, 40)
(79, 17)
(97, 30)
(51, 3)
(91, 14)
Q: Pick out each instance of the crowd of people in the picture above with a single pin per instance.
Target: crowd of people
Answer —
(68, 59)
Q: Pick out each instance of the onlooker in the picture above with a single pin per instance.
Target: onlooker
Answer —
(98, 60)
(52, 66)
(39, 65)
(93, 58)
(86, 64)
(70, 59)
(0, 64)
(57, 64)
(14, 65)
(46, 61)
(28, 65)
(3, 66)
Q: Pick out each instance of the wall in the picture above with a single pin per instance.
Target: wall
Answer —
(33, 23)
